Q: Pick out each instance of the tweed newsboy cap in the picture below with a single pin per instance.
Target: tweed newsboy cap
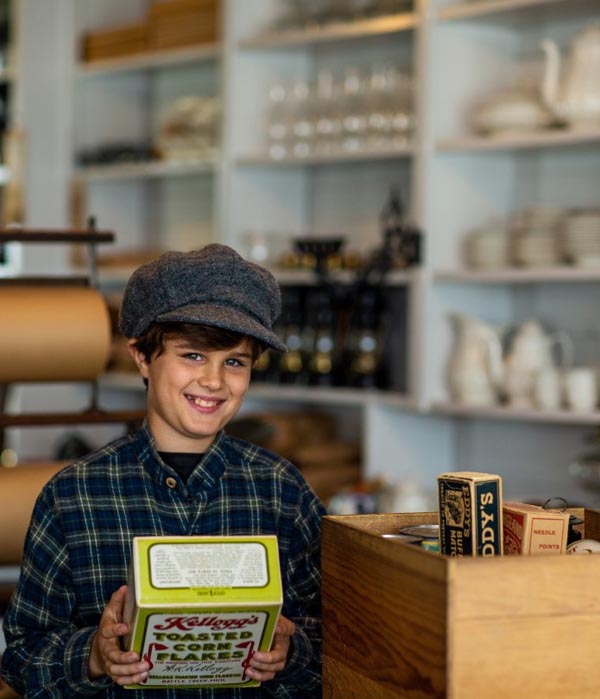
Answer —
(211, 286)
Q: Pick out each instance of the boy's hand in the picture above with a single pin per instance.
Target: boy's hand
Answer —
(264, 665)
(106, 657)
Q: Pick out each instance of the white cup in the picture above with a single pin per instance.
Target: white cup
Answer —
(581, 390)
(547, 389)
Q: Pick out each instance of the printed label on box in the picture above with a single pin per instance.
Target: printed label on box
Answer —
(456, 514)
(215, 647)
(531, 530)
(488, 517)
(470, 513)
(208, 565)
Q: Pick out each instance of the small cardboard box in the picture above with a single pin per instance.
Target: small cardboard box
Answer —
(198, 607)
(530, 530)
(470, 505)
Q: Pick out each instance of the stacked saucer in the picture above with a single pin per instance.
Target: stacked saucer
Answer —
(581, 237)
(535, 239)
(488, 247)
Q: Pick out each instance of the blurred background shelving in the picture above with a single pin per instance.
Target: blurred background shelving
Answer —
(327, 83)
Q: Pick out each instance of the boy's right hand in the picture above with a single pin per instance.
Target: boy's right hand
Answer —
(106, 656)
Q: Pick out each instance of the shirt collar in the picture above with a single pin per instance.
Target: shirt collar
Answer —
(207, 473)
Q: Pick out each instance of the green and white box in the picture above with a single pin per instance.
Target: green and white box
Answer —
(198, 607)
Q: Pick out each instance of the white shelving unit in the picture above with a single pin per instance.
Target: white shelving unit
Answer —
(156, 203)
(459, 54)
(490, 47)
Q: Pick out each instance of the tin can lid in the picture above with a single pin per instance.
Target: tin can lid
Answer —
(423, 531)
(404, 538)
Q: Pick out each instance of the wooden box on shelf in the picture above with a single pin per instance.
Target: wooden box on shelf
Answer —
(175, 23)
(116, 42)
(399, 621)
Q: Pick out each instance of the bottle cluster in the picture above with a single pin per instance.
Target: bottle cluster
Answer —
(334, 335)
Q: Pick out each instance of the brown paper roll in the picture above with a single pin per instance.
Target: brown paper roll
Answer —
(19, 488)
(52, 333)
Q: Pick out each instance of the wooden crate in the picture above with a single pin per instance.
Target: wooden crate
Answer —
(399, 621)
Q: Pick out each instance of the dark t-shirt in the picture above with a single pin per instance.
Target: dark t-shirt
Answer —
(183, 462)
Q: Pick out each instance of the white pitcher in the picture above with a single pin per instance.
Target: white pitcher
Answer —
(531, 353)
(572, 91)
(475, 366)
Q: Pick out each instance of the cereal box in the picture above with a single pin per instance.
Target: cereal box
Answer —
(198, 607)
(530, 530)
(470, 506)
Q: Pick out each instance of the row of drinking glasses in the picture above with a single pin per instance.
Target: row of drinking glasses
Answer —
(353, 112)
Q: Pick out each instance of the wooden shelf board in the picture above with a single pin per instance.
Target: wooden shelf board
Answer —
(56, 280)
(536, 139)
(309, 278)
(34, 235)
(339, 31)
(500, 412)
(131, 381)
(515, 275)
(493, 8)
(263, 160)
(327, 396)
(91, 417)
(130, 171)
(150, 60)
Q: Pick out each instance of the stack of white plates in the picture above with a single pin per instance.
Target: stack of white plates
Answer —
(488, 247)
(535, 241)
(581, 238)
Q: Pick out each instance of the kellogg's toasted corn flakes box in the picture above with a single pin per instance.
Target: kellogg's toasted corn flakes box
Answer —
(470, 505)
(198, 607)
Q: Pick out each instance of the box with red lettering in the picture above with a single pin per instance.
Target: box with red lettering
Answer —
(531, 530)
(198, 607)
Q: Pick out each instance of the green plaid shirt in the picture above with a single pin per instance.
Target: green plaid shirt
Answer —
(78, 548)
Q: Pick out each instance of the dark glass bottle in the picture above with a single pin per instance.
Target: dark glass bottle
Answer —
(363, 355)
(291, 367)
(402, 241)
(322, 362)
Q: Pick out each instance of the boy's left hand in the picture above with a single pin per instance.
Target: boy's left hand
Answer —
(264, 665)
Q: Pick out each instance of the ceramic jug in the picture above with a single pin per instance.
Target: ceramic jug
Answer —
(531, 352)
(572, 91)
(475, 367)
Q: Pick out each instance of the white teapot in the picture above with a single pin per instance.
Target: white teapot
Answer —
(532, 352)
(475, 367)
(573, 92)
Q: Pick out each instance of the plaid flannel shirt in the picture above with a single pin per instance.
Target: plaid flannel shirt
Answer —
(78, 548)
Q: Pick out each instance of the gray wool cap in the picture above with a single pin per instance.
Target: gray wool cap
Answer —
(211, 286)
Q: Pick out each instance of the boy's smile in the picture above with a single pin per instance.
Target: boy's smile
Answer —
(193, 393)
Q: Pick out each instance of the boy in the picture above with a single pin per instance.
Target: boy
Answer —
(197, 321)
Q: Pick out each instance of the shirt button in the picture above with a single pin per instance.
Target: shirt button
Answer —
(171, 482)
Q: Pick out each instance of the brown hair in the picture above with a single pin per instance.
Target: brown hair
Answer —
(206, 337)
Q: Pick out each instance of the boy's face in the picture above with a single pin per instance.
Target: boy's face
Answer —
(193, 393)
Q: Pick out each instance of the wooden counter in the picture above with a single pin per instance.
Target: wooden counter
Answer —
(400, 622)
